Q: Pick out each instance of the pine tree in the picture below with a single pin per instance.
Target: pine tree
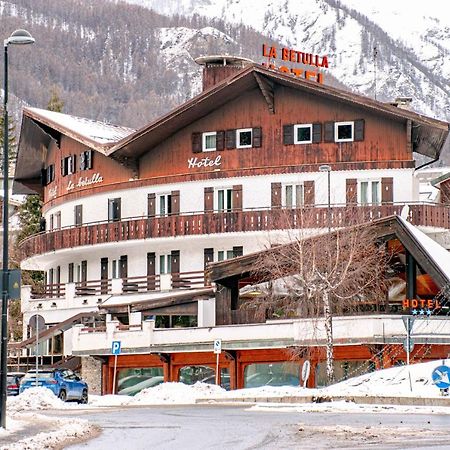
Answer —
(30, 217)
(55, 103)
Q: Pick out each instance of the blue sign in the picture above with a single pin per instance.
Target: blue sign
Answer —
(115, 348)
(441, 377)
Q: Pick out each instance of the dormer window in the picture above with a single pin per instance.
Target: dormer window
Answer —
(209, 140)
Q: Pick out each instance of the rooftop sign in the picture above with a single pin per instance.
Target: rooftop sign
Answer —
(294, 56)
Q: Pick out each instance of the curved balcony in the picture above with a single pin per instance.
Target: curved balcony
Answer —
(188, 224)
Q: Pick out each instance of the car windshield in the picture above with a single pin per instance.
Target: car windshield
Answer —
(11, 379)
(41, 375)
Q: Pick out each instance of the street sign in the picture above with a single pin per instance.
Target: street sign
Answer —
(218, 346)
(306, 369)
(13, 283)
(441, 377)
(408, 321)
(411, 345)
(115, 348)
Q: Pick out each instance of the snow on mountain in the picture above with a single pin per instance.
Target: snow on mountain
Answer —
(412, 40)
(179, 46)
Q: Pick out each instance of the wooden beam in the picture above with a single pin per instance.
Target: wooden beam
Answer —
(266, 88)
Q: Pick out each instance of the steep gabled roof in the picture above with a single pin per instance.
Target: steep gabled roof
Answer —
(431, 256)
(428, 134)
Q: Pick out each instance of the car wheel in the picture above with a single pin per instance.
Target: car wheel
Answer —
(62, 395)
(84, 397)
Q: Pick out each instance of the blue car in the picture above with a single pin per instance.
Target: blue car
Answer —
(64, 383)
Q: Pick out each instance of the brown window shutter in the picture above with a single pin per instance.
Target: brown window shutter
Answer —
(328, 132)
(63, 168)
(257, 137)
(387, 190)
(276, 195)
(351, 191)
(230, 139)
(310, 198)
(238, 251)
(175, 261)
(208, 256)
(209, 199)
(151, 266)
(237, 197)
(220, 140)
(316, 133)
(359, 130)
(288, 134)
(151, 204)
(196, 142)
(175, 202)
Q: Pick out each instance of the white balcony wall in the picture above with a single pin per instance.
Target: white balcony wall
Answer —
(256, 193)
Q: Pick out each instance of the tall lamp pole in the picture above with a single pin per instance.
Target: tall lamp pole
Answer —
(19, 37)
(327, 168)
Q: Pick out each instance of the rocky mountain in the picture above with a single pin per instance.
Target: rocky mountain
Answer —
(383, 49)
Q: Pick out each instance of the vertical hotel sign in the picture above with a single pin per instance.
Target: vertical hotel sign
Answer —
(288, 55)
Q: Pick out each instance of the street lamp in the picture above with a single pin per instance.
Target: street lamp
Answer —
(327, 168)
(18, 37)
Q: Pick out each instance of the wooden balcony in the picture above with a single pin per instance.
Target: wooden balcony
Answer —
(126, 286)
(435, 215)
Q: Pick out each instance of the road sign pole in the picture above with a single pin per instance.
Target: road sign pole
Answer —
(407, 341)
(114, 376)
(37, 348)
(217, 369)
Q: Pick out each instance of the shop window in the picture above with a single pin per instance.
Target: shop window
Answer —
(244, 138)
(209, 141)
(303, 134)
(293, 195)
(342, 370)
(369, 192)
(165, 204)
(272, 374)
(132, 381)
(192, 374)
(224, 200)
(343, 131)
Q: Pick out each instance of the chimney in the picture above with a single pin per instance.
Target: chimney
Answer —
(403, 102)
(218, 67)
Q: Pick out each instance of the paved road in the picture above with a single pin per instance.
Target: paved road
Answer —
(233, 427)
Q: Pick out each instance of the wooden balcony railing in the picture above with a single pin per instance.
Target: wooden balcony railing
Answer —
(435, 215)
(130, 285)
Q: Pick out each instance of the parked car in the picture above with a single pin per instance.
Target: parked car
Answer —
(13, 382)
(64, 383)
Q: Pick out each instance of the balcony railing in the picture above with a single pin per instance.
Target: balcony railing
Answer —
(188, 224)
(125, 286)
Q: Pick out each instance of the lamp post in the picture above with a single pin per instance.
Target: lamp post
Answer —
(18, 37)
(327, 168)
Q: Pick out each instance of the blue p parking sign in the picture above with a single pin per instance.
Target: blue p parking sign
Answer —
(115, 348)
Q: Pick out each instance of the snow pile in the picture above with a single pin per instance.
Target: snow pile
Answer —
(33, 399)
(393, 382)
(65, 432)
(269, 391)
(177, 393)
(109, 400)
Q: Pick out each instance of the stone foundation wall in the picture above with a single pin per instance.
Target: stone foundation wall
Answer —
(91, 372)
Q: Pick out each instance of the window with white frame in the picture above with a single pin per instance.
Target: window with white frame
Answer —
(115, 269)
(222, 255)
(164, 204)
(244, 138)
(293, 195)
(344, 131)
(369, 192)
(209, 141)
(303, 134)
(224, 199)
(165, 264)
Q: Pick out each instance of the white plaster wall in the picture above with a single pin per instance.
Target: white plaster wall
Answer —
(256, 193)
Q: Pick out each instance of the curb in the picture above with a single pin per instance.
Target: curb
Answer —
(407, 401)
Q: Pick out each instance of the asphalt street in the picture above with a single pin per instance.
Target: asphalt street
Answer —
(236, 427)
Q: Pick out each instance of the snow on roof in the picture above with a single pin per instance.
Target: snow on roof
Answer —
(436, 252)
(99, 132)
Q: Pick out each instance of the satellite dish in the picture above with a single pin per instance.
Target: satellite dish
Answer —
(405, 212)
